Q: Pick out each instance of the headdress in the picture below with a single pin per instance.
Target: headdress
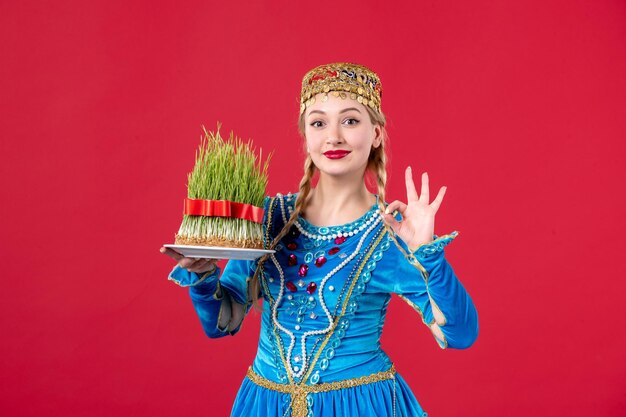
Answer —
(342, 80)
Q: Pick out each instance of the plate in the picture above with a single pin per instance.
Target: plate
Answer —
(216, 252)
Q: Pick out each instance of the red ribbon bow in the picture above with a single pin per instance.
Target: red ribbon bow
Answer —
(223, 208)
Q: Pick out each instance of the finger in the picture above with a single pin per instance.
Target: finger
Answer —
(396, 205)
(187, 262)
(171, 253)
(392, 222)
(210, 265)
(425, 195)
(411, 193)
(437, 202)
(200, 265)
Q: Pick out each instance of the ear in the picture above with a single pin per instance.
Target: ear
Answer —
(378, 138)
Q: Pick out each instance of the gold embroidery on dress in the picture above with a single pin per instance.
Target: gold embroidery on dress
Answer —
(299, 392)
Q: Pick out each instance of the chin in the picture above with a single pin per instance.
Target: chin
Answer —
(336, 168)
(337, 172)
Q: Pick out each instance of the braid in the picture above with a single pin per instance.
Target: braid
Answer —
(303, 194)
(378, 165)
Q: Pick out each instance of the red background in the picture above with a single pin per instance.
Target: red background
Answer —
(517, 106)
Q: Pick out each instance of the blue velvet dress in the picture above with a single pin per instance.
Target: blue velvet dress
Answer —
(325, 295)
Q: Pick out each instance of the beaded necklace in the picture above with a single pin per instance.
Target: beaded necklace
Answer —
(324, 232)
(370, 224)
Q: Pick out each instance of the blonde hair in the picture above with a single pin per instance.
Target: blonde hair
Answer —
(376, 165)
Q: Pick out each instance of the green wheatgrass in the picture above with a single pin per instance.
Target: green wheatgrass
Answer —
(225, 170)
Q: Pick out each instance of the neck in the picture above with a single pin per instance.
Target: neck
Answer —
(337, 201)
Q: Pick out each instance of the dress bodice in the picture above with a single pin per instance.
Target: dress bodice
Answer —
(318, 309)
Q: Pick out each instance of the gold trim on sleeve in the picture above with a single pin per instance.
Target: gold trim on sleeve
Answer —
(429, 325)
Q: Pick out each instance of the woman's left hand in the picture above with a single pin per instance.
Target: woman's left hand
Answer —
(418, 216)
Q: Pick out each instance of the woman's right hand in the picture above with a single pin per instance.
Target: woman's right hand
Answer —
(197, 265)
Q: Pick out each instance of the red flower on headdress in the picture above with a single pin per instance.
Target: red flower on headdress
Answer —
(323, 76)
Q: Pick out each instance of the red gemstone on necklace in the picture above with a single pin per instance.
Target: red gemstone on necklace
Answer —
(291, 286)
(292, 260)
(311, 287)
(339, 240)
(292, 246)
(320, 261)
(333, 251)
(304, 269)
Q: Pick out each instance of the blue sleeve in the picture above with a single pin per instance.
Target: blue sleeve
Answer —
(218, 301)
(206, 296)
(426, 281)
(221, 302)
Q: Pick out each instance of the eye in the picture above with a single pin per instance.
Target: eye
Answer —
(316, 123)
(351, 121)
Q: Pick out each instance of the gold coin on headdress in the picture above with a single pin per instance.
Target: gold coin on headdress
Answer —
(360, 90)
(353, 96)
(342, 95)
(326, 89)
(359, 99)
(335, 93)
(324, 98)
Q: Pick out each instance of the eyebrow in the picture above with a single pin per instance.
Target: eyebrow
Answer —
(342, 111)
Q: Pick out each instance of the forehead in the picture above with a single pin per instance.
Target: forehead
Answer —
(334, 104)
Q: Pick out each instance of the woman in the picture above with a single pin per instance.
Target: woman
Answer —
(340, 253)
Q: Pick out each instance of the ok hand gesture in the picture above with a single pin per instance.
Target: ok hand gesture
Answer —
(418, 216)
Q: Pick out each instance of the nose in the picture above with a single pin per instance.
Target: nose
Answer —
(333, 134)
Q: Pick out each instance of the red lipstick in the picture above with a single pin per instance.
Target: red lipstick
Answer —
(338, 154)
